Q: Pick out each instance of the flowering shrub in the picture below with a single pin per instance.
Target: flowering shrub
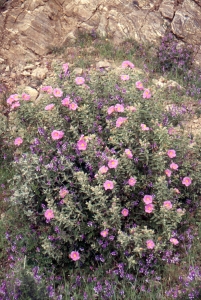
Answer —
(172, 56)
(92, 172)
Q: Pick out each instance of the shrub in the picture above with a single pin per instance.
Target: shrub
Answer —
(173, 56)
(97, 173)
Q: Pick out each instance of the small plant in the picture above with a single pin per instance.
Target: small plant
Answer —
(24, 283)
(85, 39)
(55, 50)
(172, 56)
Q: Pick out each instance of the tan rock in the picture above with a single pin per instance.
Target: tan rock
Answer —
(40, 73)
(29, 67)
(78, 71)
(187, 22)
(13, 75)
(159, 82)
(43, 24)
(167, 8)
(2, 67)
(28, 31)
(146, 4)
(174, 84)
(32, 92)
(103, 64)
(26, 73)
(164, 83)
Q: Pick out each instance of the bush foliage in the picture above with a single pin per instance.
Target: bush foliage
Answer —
(98, 174)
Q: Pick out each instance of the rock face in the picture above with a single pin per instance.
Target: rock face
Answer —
(167, 9)
(28, 29)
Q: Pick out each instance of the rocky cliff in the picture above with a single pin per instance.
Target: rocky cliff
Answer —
(29, 28)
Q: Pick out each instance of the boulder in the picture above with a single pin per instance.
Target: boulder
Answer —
(40, 73)
(78, 71)
(103, 64)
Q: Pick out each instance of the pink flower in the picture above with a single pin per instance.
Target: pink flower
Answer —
(25, 97)
(119, 108)
(86, 86)
(167, 204)
(49, 106)
(15, 97)
(129, 153)
(103, 170)
(186, 181)
(131, 108)
(171, 131)
(144, 127)
(180, 211)
(132, 181)
(74, 255)
(149, 208)
(73, 106)
(125, 212)
(15, 105)
(113, 163)
(66, 101)
(176, 191)
(65, 67)
(49, 214)
(120, 121)
(150, 244)
(171, 153)
(124, 77)
(63, 192)
(139, 85)
(13, 101)
(146, 94)
(18, 141)
(104, 233)
(147, 199)
(174, 241)
(57, 135)
(10, 100)
(82, 144)
(126, 64)
(108, 185)
(57, 92)
(110, 110)
(79, 80)
(174, 166)
(168, 172)
(47, 89)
